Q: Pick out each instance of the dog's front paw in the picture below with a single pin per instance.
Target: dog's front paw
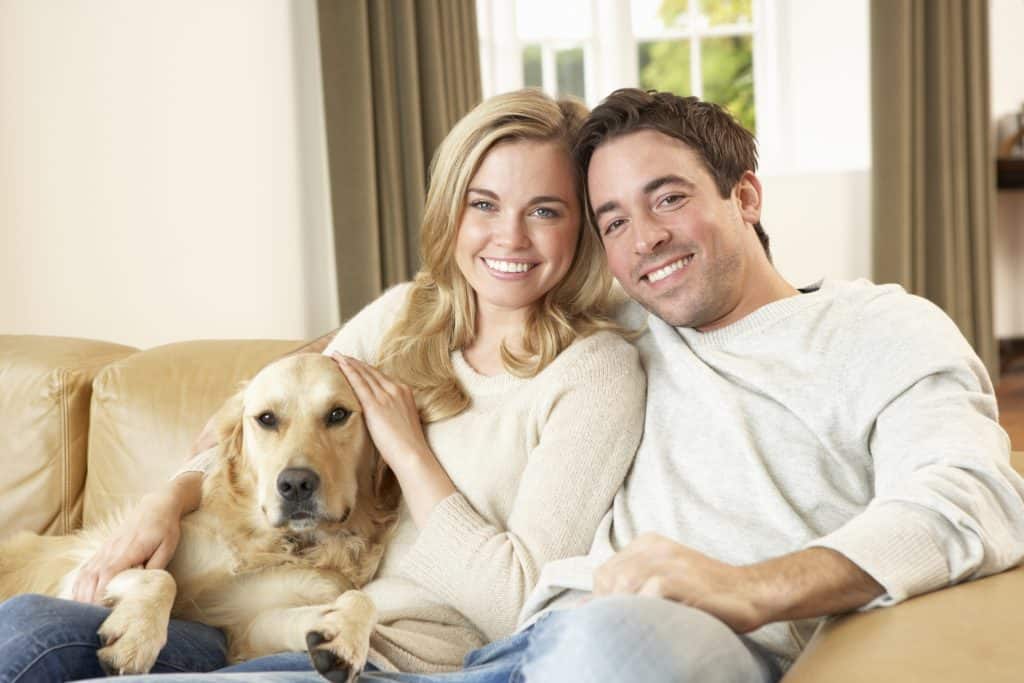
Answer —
(131, 642)
(339, 644)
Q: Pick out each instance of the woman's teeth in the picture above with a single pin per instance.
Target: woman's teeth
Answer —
(508, 266)
(663, 273)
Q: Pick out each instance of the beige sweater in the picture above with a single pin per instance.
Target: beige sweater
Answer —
(537, 463)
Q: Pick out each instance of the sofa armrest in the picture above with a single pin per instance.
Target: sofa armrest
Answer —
(148, 408)
(44, 418)
(963, 633)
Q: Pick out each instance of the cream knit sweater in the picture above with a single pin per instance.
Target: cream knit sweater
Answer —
(536, 462)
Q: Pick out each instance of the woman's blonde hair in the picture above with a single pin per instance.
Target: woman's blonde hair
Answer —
(440, 314)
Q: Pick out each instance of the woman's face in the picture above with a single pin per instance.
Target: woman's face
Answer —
(519, 226)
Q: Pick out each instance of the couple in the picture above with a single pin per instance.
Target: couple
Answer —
(803, 453)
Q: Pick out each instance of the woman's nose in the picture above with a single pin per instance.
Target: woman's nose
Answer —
(511, 233)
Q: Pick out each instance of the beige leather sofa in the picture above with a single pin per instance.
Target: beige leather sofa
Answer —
(88, 426)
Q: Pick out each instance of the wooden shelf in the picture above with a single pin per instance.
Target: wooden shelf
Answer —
(1010, 174)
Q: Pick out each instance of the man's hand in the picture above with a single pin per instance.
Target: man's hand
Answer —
(657, 566)
(810, 583)
(147, 537)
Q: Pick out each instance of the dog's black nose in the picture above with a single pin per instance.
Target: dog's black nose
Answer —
(297, 483)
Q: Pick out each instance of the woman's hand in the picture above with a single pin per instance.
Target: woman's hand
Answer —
(393, 421)
(389, 411)
(147, 537)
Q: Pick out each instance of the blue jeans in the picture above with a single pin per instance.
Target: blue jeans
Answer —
(43, 640)
(621, 638)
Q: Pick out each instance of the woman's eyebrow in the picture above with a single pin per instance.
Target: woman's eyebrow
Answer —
(486, 193)
(545, 198)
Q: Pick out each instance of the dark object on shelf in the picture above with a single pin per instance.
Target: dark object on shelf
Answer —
(1011, 352)
(1010, 174)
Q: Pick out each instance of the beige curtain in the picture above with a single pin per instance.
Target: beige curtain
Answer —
(934, 188)
(397, 75)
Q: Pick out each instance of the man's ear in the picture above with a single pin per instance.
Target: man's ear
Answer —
(747, 192)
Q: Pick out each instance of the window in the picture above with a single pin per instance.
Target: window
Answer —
(796, 73)
(587, 48)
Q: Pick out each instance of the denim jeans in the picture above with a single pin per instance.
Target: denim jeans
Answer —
(44, 640)
(622, 638)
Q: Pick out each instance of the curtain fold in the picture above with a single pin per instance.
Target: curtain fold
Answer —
(933, 177)
(397, 74)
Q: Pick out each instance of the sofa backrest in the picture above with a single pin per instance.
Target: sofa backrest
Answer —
(148, 408)
(45, 388)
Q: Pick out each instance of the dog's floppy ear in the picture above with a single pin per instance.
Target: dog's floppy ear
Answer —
(228, 423)
(386, 490)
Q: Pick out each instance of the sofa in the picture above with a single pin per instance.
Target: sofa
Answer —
(90, 426)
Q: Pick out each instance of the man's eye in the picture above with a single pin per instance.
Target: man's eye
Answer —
(613, 226)
(267, 419)
(337, 416)
(672, 199)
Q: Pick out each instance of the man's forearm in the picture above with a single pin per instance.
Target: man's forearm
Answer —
(811, 583)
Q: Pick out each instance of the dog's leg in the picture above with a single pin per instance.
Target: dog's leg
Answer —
(136, 629)
(337, 635)
(340, 642)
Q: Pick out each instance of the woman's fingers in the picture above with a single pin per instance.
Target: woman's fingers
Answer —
(367, 378)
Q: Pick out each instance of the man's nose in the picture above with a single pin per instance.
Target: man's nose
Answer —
(649, 235)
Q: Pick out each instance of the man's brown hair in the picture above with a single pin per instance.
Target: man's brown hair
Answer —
(727, 149)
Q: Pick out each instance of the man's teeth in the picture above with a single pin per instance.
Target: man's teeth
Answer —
(508, 266)
(663, 273)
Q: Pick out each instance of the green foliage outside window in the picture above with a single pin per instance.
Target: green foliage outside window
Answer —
(727, 63)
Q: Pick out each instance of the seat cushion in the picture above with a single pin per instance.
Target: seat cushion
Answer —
(148, 409)
(44, 417)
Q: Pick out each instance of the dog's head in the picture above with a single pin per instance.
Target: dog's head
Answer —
(300, 444)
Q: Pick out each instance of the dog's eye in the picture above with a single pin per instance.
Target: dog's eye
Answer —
(337, 416)
(267, 419)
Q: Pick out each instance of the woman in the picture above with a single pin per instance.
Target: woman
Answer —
(531, 401)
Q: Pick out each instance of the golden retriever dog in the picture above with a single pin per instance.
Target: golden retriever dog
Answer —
(294, 518)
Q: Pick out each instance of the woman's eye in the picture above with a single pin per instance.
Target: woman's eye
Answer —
(337, 416)
(545, 212)
(267, 419)
(482, 204)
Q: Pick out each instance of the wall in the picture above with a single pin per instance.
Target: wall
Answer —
(163, 170)
(816, 142)
(1006, 17)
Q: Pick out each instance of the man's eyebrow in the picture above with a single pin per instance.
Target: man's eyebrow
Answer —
(653, 185)
(605, 208)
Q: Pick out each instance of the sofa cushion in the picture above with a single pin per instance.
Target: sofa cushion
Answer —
(148, 409)
(44, 417)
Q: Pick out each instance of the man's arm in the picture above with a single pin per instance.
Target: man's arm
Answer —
(809, 583)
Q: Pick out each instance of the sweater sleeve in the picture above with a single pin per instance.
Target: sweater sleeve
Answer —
(948, 506)
(585, 448)
(361, 336)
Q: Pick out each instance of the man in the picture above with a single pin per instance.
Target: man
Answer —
(806, 452)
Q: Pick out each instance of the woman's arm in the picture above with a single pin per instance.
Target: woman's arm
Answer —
(487, 570)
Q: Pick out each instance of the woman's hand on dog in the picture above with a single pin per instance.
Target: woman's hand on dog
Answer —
(393, 420)
(147, 537)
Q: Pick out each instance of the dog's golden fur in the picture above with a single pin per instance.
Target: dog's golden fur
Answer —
(275, 573)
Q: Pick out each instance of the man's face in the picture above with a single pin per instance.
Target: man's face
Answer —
(673, 243)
